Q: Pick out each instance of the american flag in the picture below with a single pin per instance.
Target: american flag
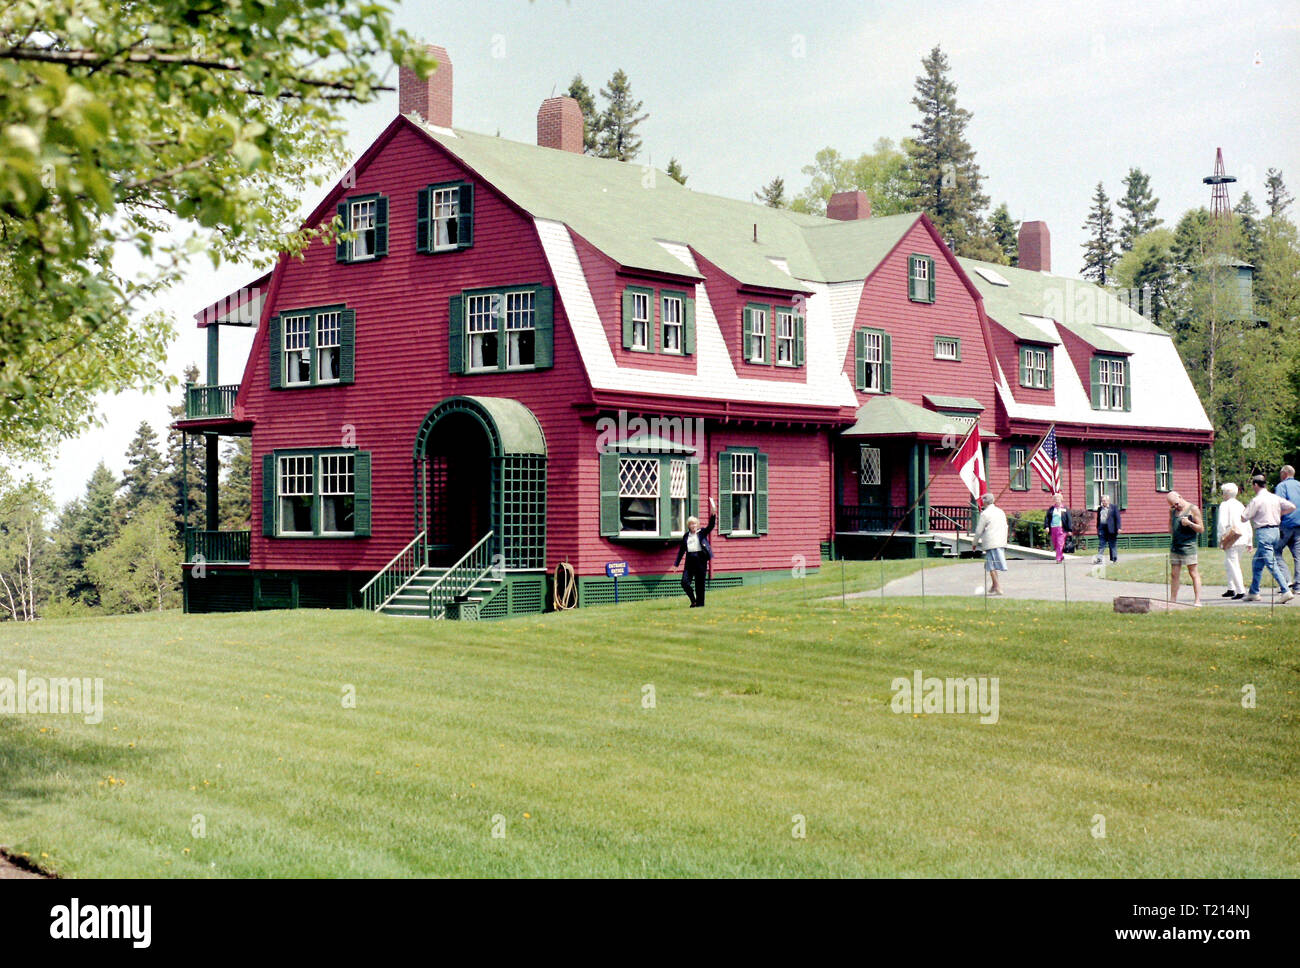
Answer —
(1045, 461)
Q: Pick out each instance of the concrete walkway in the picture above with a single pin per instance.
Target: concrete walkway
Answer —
(1077, 580)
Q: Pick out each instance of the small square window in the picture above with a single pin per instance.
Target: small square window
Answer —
(947, 348)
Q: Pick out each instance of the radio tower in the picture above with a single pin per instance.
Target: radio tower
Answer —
(1219, 181)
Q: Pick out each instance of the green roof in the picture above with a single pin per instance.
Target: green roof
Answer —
(952, 403)
(1045, 295)
(887, 416)
(626, 210)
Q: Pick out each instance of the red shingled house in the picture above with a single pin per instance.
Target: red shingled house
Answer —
(520, 356)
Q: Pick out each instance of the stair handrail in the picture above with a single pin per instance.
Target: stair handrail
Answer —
(439, 597)
(389, 577)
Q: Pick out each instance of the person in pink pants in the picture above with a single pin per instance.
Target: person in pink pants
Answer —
(1057, 520)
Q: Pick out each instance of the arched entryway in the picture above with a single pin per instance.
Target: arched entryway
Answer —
(480, 466)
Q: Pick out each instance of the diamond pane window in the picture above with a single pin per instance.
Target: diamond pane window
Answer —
(638, 495)
(679, 490)
(869, 458)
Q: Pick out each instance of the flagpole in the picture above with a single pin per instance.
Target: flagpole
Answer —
(1028, 455)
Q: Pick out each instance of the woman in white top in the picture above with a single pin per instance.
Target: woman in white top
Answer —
(1231, 517)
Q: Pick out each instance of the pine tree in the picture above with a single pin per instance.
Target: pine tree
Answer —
(773, 193)
(1250, 242)
(1139, 207)
(145, 479)
(675, 171)
(579, 91)
(1099, 254)
(944, 178)
(84, 527)
(1278, 197)
(617, 136)
(1004, 230)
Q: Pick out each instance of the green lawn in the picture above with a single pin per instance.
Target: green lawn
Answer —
(772, 702)
(1210, 564)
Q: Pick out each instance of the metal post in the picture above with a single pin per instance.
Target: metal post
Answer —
(986, 589)
(844, 598)
(923, 582)
(1065, 581)
(882, 579)
(1168, 579)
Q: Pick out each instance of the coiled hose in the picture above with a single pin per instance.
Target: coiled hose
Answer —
(565, 593)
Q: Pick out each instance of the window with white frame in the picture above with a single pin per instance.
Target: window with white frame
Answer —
(638, 496)
(1105, 470)
(640, 320)
(947, 348)
(337, 494)
(521, 331)
(1110, 374)
(1019, 469)
(679, 483)
(297, 349)
(446, 215)
(1164, 480)
(361, 220)
(328, 346)
(1036, 368)
(672, 324)
(784, 338)
(742, 493)
(758, 334)
(874, 357)
(869, 465)
(481, 326)
(297, 493)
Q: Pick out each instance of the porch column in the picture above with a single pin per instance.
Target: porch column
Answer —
(214, 356)
(212, 470)
(914, 488)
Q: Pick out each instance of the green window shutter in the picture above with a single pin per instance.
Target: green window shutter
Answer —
(423, 237)
(860, 359)
(659, 345)
(465, 221)
(347, 345)
(688, 326)
(381, 226)
(499, 304)
(342, 248)
(274, 339)
(724, 492)
(1051, 363)
(268, 495)
(747, 336)
(665, 498)
(1024, 366)
(544, 322)
(760, 493)
(1160, 485)
(1128, 388)
(1094, 373)
(693, 503)
(798, 341)
(627, 319)
(361, 493)
(609, 495)
(1123, 480)
(912, 293)
(887, 366)
(1169, 476)
(1090, 479)
(456, 335)
(931, 278)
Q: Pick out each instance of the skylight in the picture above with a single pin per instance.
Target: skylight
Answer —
(990, 275)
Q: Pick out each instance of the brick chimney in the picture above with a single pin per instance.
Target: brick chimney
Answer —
(1035, 245)
(848, 206)
(559, 124)
(431, 98)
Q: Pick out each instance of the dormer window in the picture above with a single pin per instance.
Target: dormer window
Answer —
(1036, 367)
(444, 217)
(920, 278)
(754, 334)
(1111, 388)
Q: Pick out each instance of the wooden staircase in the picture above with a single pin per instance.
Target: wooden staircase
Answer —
(412, 600)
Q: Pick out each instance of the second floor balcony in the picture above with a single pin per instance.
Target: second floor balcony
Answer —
(208, 402)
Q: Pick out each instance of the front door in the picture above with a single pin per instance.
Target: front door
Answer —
(459, 487)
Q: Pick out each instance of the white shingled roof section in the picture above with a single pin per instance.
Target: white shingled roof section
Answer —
(844, 300)
(715, 376)
(1163, 395)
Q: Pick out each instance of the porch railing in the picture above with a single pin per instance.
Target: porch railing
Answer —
(395, 575)
(461, 577)
(867, 517)
(216, 547)
(950, 517)
(216, 401)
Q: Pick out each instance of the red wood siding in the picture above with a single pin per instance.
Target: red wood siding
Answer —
(401, 304)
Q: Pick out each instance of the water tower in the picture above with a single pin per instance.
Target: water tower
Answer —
(1218, 183)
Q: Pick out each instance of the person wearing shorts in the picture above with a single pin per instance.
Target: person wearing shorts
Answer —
(1185, 524)
(991, 538)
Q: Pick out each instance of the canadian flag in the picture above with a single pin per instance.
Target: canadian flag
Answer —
(969, 460)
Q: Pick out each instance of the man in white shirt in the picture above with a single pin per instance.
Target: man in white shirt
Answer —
(991, 538)
(1265, 512)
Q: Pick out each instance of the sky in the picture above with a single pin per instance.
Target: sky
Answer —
(1062, 96)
